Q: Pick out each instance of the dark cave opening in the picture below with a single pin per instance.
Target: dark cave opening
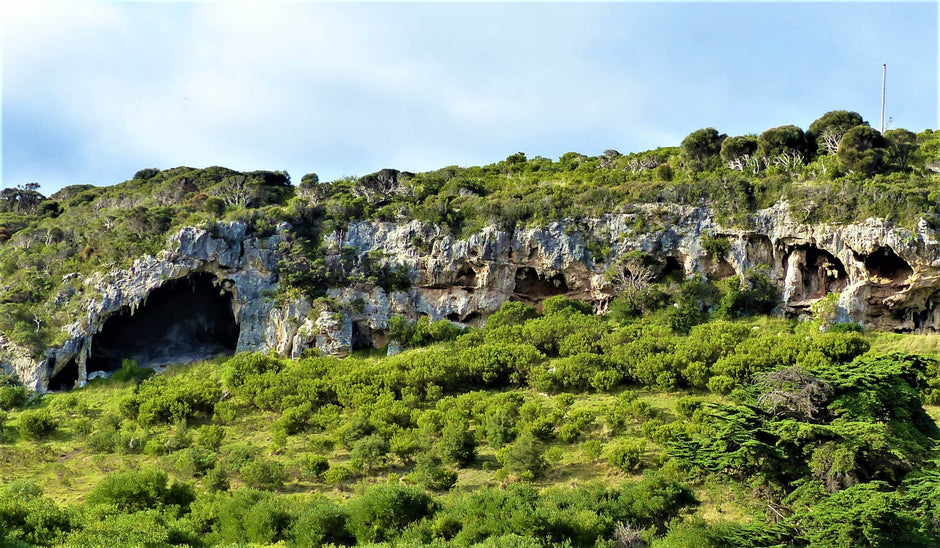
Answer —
(885, 265)
(184, 320)
(466, 277)
(361, 336)
(66, 378)
(672, 270)
(532, 286)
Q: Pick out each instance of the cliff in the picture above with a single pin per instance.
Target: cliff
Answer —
(215, 290)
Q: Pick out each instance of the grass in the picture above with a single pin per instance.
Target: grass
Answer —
(883, 343)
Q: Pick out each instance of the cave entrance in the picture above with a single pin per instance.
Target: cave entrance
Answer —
(182, 321)
(812, 273)
(672, 270)
(66, 378)
(885, 266)
(362, 336)
(533, 287)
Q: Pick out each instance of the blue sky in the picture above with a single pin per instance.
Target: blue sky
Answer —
(94, 91)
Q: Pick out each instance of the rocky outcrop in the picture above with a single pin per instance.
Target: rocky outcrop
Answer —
(887, 277)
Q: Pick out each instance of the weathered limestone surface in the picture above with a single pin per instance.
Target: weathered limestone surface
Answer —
(887, 277)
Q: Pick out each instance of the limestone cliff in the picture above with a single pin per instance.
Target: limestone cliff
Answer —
(224, 282)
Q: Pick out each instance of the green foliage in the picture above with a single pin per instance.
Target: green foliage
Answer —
(511, 313)
(781, 140)
(137, 490)
(129, 371)
(38, 424)
(12, 393)
(703, 144)
(830, 128)
(736, 148)
(862, 149)
(626, 455)
(383, 512)
(263, 473)
(523, 458)
(457, 445)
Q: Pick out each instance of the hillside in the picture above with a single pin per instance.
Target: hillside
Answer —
(560, 427)
(689, 346)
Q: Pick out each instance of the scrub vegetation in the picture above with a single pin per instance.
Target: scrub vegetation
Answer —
(685, 425)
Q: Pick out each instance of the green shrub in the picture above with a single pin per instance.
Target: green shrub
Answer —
(320, 523)
(38, 424)
(137, 490)
(12, 395)
(524, 457)
(457, 445)
(626, 455)
(314, 466)
(263, 474)
(384, 511)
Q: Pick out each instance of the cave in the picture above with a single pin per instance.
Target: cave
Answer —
(66, 378)
(534, 287)
(812, 273)
(466, 278)
(361, 336)
(672, 270)
(184, 320)
(885, 266)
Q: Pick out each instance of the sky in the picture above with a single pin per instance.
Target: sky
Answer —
(94, 91)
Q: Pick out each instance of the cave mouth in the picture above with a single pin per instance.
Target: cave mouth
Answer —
(885, 265)
(820, 273)
(672, 270)
(184, 320)
(66, 378)
(533, 286)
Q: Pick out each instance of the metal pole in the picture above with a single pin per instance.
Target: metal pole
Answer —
(884, 79)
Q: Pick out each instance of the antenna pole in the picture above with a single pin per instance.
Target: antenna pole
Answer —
(884, 79)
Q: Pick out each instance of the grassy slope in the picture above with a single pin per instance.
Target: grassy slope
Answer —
(66, 468)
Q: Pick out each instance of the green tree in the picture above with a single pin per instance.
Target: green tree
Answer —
(735, 148)
(703, 144)
(828, 130)
(862, 149)
(781, 140)
(902, 144)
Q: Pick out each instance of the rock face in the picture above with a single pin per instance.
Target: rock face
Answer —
(887, 277)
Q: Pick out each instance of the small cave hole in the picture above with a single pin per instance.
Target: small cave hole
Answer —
(184, 320)
(66, 378)
(466, 277)
(362, 336)
(885, 266)
(672, 270)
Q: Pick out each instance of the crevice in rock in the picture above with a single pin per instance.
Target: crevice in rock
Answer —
(184, 320)
(66, 378)
(884, 266)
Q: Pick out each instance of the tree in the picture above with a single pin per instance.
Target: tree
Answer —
(901, 146)
(703, 144)
(828, 130)
(862, 149)
(736, 151)
(781, 140)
